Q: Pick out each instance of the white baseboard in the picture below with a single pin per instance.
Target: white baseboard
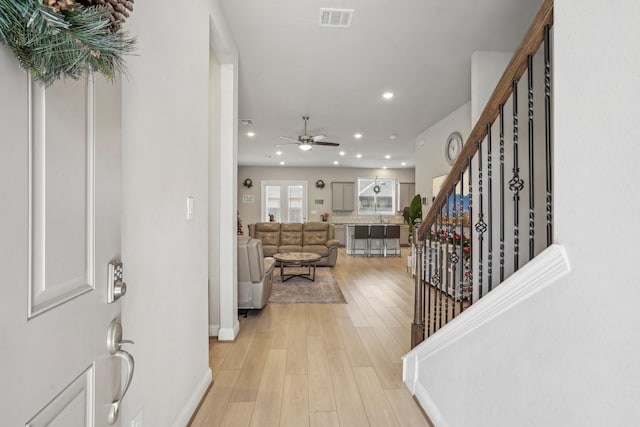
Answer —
(194, 400)
(213, 330)
(545, 269)
(229, 334)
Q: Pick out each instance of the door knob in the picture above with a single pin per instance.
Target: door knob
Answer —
(114, 344)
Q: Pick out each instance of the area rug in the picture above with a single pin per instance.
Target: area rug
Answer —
(297, 290)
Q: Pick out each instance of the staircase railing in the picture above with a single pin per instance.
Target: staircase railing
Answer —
(469, 223)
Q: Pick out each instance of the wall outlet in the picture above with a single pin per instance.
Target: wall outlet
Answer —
(138, 421)
(190, 208)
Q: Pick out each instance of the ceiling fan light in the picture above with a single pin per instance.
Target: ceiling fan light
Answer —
(305, 147)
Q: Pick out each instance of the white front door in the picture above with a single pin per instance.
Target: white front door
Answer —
(59, 228)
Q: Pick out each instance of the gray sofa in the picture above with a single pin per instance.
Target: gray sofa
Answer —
(315, 237)
(255, 274)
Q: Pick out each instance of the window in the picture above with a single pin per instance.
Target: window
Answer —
(284, 201)
(376, 196)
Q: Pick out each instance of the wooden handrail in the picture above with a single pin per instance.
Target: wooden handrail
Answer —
(517, 66)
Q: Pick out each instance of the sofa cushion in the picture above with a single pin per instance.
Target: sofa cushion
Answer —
(321, 250)
(283, 249)
(315, 233)
(291, 234)
(268, 232)
(269, 250)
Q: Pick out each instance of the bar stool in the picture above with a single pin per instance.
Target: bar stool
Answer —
(360, 232)
(376, 232)
(392, 232)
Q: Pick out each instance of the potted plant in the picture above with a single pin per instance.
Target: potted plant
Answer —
(411, 213)
(324, 216)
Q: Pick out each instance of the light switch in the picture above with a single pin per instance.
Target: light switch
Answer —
(190, 208)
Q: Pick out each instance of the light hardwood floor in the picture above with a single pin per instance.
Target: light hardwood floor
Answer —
(321, 364)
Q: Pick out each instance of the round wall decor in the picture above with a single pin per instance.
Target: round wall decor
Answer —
(320, 183)
(248, 183)
(453, 147)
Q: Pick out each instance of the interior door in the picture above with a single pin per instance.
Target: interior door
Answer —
(59, 228)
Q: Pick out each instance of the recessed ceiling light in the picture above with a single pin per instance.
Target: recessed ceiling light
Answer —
(393, 137)
(357, 135)
(359, 155)
(387, 95)
(251, 134)
(342, 153)
(384, 167)
(335, 162)
(282, 163)
(404, 163)
(387, 156)
(279, 153)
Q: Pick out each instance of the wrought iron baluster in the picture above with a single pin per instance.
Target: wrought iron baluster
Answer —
(429, 311)
(436, 278)
(460, 207)
(490, 209)
(516, 184)
(480, 226)
(454, 255)
(501, 193)
(470, 173)
(531, 160)
(447, 260)
(547, 125)
(442, 272)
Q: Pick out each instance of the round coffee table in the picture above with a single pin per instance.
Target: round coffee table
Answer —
(298, 259)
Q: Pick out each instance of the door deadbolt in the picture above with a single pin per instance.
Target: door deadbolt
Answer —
(116, 287)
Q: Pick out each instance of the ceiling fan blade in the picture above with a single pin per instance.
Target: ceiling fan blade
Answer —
(289, 138)
(327, 143)
(319, 137)
(287, 143)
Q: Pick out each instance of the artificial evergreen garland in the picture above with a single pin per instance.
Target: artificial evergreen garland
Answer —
(57, 39)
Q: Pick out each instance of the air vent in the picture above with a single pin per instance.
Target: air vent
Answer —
(335, 18)
(246, 122)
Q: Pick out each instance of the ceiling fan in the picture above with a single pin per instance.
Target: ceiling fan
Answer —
(306, 142)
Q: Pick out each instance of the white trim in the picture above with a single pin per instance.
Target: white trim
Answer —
(194, 400)
(229, 334)
(545, 269)
(213, 330)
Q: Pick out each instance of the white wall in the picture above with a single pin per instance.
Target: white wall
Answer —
(486, 71)
(165, 159)
(567, 356)
(430, 160)
(250, 212)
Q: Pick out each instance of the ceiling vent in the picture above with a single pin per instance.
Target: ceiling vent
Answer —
(335, 18)
(246, 122)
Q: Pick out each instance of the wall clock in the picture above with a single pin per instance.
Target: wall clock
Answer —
(453, 147)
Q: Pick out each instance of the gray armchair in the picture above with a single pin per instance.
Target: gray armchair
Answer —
(255, 274)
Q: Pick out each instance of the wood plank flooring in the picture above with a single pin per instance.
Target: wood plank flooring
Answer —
(321, 364)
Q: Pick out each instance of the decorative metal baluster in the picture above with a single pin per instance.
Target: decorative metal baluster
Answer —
(442, 272)
(461, 216)
(446, 262)
(469, 167)
(547, 125)
(490, 209)
(429, 311)
(435, 279)
(454, 255)
(531, 160)
(516, 183)
(481, 226)
(501, 193)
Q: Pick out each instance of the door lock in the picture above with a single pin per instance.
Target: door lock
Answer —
(116, 287)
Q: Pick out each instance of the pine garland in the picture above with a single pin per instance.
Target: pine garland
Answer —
(63, 39)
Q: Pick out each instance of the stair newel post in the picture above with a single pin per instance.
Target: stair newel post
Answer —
(417, 327)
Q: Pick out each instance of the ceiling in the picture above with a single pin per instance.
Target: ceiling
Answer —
(420, 50)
